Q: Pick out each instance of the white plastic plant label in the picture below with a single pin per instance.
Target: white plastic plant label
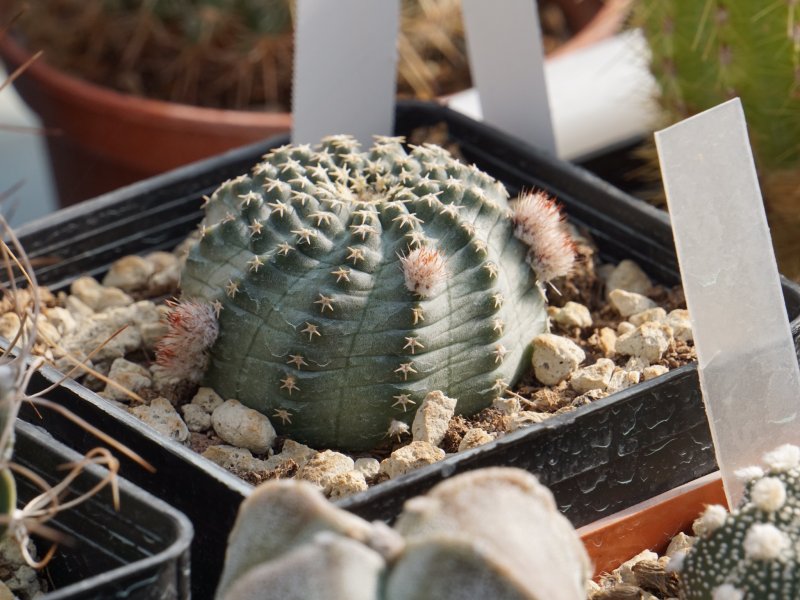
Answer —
(749, 374)
(506, 56)
(344, 69)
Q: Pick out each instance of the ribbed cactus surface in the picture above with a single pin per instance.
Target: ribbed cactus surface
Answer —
(753, 551)
(349, 284)
(704, 52)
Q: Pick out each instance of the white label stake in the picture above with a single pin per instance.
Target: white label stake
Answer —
(748, 368)
(504, 42)
(344, 69)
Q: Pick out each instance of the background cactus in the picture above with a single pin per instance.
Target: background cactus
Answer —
(493, 533)
(348, 285)
(753, 551)
(704, 53)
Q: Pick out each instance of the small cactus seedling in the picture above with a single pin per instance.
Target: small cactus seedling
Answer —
(350, 284)
(753, 551)
(492, 533)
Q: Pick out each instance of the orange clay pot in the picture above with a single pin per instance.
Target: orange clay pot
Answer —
(105, 139)
(649, 525)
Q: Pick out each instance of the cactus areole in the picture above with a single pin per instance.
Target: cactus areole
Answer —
(350, 284)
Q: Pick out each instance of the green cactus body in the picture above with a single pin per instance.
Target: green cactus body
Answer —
(753, 551)
(706, 52)
(349, 285)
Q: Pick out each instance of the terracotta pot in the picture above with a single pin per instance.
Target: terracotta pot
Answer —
(108, 139)
(649, 525)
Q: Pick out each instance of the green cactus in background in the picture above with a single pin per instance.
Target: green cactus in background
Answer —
(753, 551)
(348, 285)
(492, 533)
(706, 52)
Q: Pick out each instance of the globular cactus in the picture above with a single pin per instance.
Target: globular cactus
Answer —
(350, 284)
(704, 53)
(753, 551)
(493, 533)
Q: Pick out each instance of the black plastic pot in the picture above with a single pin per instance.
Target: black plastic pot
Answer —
(140, 552)
(597, 460)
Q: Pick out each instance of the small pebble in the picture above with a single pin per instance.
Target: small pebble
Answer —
(628, 276)
(323, 467)
(410, 457)
(129, 376)
(607, 340)
(243, 427)
(473, 438)
(207, 399)
(629, 303)
(622, 380)
(433, 418)
(555, 358)
(162, 416)
(507, 405)
(129, 273)
(622, 328)
(657, 315)
(525, 418)
(593, 377)
(346, 484)
(649, 341)
(196, 418)
(294, 451)
(234, 459)
(681, 325)
(572, 314)
(369, 466)
(653, 371)
(61, 319)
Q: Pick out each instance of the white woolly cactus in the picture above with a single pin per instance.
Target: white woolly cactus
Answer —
(753, 552)
(493, 533)
(349, 284)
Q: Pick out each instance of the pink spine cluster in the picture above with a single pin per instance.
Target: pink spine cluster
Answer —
(424, 271)
(538, 223)
(192, 330)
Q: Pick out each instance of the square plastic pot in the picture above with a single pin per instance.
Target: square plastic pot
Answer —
(139, 552)
(650, 525)
(597, 460)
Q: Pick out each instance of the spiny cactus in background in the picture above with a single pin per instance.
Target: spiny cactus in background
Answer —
(348, 285)
(493, 533)
(753, 551)
(706, 52)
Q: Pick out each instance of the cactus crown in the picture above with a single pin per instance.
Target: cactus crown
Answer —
(350, 284)
(753, 551)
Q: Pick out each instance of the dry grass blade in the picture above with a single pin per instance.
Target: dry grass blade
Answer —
(99, 434)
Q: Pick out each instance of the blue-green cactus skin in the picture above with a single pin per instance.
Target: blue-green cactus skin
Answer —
(310, 262)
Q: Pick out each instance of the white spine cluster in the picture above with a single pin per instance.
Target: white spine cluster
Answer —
(712, 519)
(424, 271)
(764, 541)
(539, 224)
(727, 592)
(192, 330)
(768, 494)
(783, 458)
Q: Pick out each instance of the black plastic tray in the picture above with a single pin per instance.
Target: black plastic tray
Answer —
(140, 552)
(597, 460)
